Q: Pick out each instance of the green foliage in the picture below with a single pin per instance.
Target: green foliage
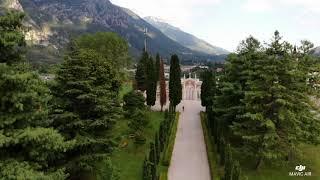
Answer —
(163, 86)
(262, 104)
(151, 83)
(85, 107)
(175, 87)
(26, 142)
(228, 172)
(236, 173)
(141, 72)
(110, 45)
(106, 170)
(157, 147)
(12, 40)
(133, 101)
(208, 89)
(157, 68)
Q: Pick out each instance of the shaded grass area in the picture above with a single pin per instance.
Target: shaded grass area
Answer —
(125, 88)
(167, 154)
(309, 157)
(129, 159)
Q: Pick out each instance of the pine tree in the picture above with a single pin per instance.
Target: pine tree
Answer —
(277, 112)
(151, 83)
(85, 107)
(163, 88)
(12, 40)
(175, 87)
(133, 101)
(29, 146)
(141, 74)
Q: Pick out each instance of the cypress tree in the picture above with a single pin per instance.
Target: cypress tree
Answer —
(153, 161)
(151, 83)
(175, 87)
(236, 174)
(141, 74)
(157, 68)
(207, 89)
(229, 164)
(157, 148)
(163, 88)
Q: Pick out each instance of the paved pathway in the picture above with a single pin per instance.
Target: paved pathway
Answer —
(189, 160)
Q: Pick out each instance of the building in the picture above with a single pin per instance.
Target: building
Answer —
(191, 88)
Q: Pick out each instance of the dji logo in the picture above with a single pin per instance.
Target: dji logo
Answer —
(300, 168)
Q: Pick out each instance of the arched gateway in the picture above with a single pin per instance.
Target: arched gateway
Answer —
(191, 88)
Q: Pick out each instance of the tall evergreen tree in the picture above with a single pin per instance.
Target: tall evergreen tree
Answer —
(157, 68)
(208, 89)
(28, 146)
(151, 83)
(12, 40)
(175, 87)
(163, 88)
(277, 112)
(85, 107)
(141, 74)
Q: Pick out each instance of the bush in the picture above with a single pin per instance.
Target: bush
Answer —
(133, 101)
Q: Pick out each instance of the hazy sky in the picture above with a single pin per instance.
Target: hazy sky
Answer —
(225, 23)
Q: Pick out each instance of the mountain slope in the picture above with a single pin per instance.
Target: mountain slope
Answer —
(55, 21)
(317, 51)
(185, 39)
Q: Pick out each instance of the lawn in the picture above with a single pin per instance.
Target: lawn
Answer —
(129, 159)
(125, 88)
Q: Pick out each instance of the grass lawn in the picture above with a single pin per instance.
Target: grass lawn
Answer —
(310, 158)
(129, 159)
(125, 88)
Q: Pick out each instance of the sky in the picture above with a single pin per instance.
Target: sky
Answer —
(225, 23)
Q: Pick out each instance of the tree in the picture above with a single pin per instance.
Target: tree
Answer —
(29, 146)
(157, 67)
(207, 89)
(12, 40)
(153, 161)
(85, 107)
(133, 101)
(277, 112)
(229, 164)
(110, 45)
(175, 87)
(141, 74)
(157, 147)
(236, 174)
(163, 88)
(151, 83)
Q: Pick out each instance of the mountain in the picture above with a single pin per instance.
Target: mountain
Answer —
(54, 22)
(185, 39)
(317, 51)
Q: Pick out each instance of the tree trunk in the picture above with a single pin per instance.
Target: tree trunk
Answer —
(161, 108)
